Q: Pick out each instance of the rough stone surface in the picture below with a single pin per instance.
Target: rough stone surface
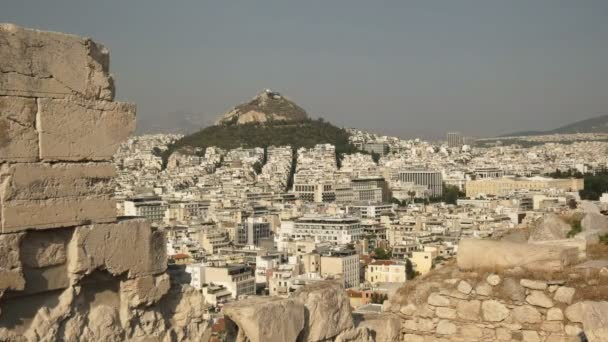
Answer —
(564, 294)
(483, 289)
(145, 290)
(549, 227)
(464, 287)
(128, 246)
(594, 316)
(526, 314)
(555, 314)
(327, 310)
(76, 129)
(539, 298)
(11, 275)
(435, 299)
(445, 327)
(264, 319)
(494, 311)
(384, 327)
(45, 248)
(468, 310)
(513, 290)
(48, 64)
(446, 313)
(493, 279)
(533, 284)
(356, 335)
(473, 254)
(56, 195)
(594, 222)
(18, 135)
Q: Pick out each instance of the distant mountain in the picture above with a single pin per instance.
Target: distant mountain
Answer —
(265, 107)
(268, 120)
(594, 125)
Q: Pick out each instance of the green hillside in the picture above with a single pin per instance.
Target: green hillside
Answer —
(305, 133)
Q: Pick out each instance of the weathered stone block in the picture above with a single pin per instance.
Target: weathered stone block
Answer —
(264, 319)
(77, 129)
(45, 248)
(45, 279)
(18, 135)
(322, 300)
(145, 290)
(129, 246)
(36, 63)
(500, 255)
(41, 196)
(11, 275)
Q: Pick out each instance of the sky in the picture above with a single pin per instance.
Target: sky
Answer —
(402, 68)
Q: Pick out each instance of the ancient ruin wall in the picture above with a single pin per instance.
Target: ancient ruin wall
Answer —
(69, 268)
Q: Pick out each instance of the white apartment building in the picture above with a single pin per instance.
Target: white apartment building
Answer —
(252, 230)
(338, 230)
(385, 271)
(342, 263)
(236, 278)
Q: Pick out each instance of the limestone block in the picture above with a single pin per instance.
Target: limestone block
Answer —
(322, 300)
(446, 313)
(445, 327)
(128, 246)
(435, 299)
(11, 275)
(577, 242)
(533, 284)
(549, 227)
(493, 279)
(261, 319)
(78, 129)
(145, 290)
(468, 310)
(513, 290)
(356, 335)
(595, 222)
(526, 314)
(539, 298)
(491, 254)
(41, 196)
(45, 248)
(483, 289)
(564, 294)
(464, 287)
(494, 311)
(385, 327)
(37, 63)
(46, 279)
(18, 135)
(555, 314)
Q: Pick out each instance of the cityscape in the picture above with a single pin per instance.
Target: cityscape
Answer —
(272, 222)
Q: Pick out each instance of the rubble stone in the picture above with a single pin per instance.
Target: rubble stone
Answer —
(526, 314)
(11, 275)
(564, 294)
(494, 311)
(539, 298)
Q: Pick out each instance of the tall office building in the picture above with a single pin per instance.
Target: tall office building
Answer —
(433, 180)
(454, 139)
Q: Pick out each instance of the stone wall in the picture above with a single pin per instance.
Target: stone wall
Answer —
(69, 268)
(511, 303)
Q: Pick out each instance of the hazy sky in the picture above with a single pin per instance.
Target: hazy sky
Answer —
(407, 68)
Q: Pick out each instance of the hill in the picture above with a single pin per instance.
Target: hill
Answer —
(265, 107)
(594, 125)
(304, 133)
